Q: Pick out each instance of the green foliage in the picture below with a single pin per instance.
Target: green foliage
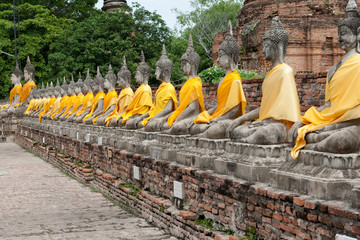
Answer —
(251, 234)
(216, 74)
(205, 222)
(39, 28)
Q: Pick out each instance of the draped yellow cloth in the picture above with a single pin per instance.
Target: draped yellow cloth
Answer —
(189, 92)
(63, 103)
(109, 100)
(94, 104)
(43, 103)
(76, 104)
(15, 91)
(54, 107)
(163, 95)
(229, 95)
(47, 107)
(26, 89)
(280, 100)
(141, 103)
(31, 106)
(88, 99)
(69, 104)
(125, 97)
(343, 92)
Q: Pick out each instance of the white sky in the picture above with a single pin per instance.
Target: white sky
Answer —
(162, 7)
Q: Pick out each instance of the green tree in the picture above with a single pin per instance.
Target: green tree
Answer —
(105, 38)
(39, 27)
(73, 9)
(208, 18)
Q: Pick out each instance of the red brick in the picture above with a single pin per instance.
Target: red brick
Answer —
(271, 206)
(324, 232)
(286, 228)
(187, 215)
(299, 201)
(233, 238)
(277, 216)
(301, 234)
(312, 217)
(266, 220)
(309, 205)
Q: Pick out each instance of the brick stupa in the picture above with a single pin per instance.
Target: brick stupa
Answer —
(312, 25)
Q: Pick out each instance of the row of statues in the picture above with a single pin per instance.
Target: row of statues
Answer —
(333, 127)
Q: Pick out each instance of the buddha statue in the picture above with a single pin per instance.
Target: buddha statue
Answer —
(88, 100)
(63, 103)
(48, 106)
(14, 93)
(110, 99)
(57, 102)
(97, 105)
(191, 97)
(41, 101)
(335, 126)
(125, 97)
(280, 107)
(231, 100)
(33, 103)
(165, 98)
(142, 101)
(77, 104)
(72, 91)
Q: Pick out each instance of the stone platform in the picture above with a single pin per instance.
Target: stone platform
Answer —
(236, 185)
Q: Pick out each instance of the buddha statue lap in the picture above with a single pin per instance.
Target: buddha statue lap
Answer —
(231, 100)
(335, 126)
(280, 107)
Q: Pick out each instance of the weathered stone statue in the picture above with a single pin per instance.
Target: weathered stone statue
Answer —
(142, 101)
(77, 104)
(72, 93)
(280, 107)
(165, 98)
(110, 99)
(63, 103)
(42, 101)
(14, 93)
(231, 100)
(57, 102)
(88, 88)
(191, 96)
(125, 97)
(335, 127)
(97, 105)
(34, 102)
(49, 105)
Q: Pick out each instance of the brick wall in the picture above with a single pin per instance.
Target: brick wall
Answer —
(231, 203)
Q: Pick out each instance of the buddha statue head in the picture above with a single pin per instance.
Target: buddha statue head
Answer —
(164, 67)
(110, 80)
(16, 75)
(190, 60)
(57, 89)
(89, 84)
(64, 88)
(347, 28)
(51, 90)
(71, 88)
(229, 52)
(124, 75)
(142, 71)
(276, 41)
(79, 85)
(29, 70)
(99, 80)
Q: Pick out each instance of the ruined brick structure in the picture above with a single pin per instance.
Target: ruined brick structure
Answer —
(312, 25)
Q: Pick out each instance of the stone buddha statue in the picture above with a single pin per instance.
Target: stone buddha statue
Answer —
(51, 100)
(87, 88)
(72, 91)
(42, 97)
(231, 100)
(15, 92)
(165, 98)
(34, 96)
(77, 103)
(191, 96)
(142, 101)
(98, 103)
(56, 104)
(280, 107)
(63, 103)
(335, 126)
(125, 97)
(110, 99)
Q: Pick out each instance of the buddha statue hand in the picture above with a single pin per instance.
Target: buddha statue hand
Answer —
(293, 132)
(233, 125)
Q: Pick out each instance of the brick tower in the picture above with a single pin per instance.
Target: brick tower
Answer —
(111, 5)
(312, 25)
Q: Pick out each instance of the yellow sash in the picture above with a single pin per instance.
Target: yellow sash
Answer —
(141, 103)
(47, 107)
(164, 94)
(76, 104)
(30, 107)
(15, 91)
(26, 89)
(88, 99)
(55, 106)
(189, 92)
(343, 92)
(63, 103)
(94, 104)
(124, 99)
(229, 95)
(69, 104)
(109, 100)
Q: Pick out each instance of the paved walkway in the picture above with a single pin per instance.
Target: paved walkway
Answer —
(37, 201)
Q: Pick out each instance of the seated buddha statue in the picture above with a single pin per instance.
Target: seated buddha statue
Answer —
(191, 97)
(14, 93)
(110, 99)
(280, 107)
(335, 126)
(73, 92)
(51, 100)
(42, 98)
(231, 100)
(142, 101)
(165, 97)
(97, 105)
(77, 104)
(87, 88)
(125, 97)
(57, 102)
(63, 102)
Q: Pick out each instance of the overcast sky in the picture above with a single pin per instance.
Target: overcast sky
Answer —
(162, 7)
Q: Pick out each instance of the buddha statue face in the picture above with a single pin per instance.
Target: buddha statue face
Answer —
(139, 77)
(224, 60)
(29, 70)
(186, 68)
(347, 38)
(15, 79)
(107, 84)
(270, 50)
(121, 82)
(27, 76)
(77, 90)
(62, 92)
